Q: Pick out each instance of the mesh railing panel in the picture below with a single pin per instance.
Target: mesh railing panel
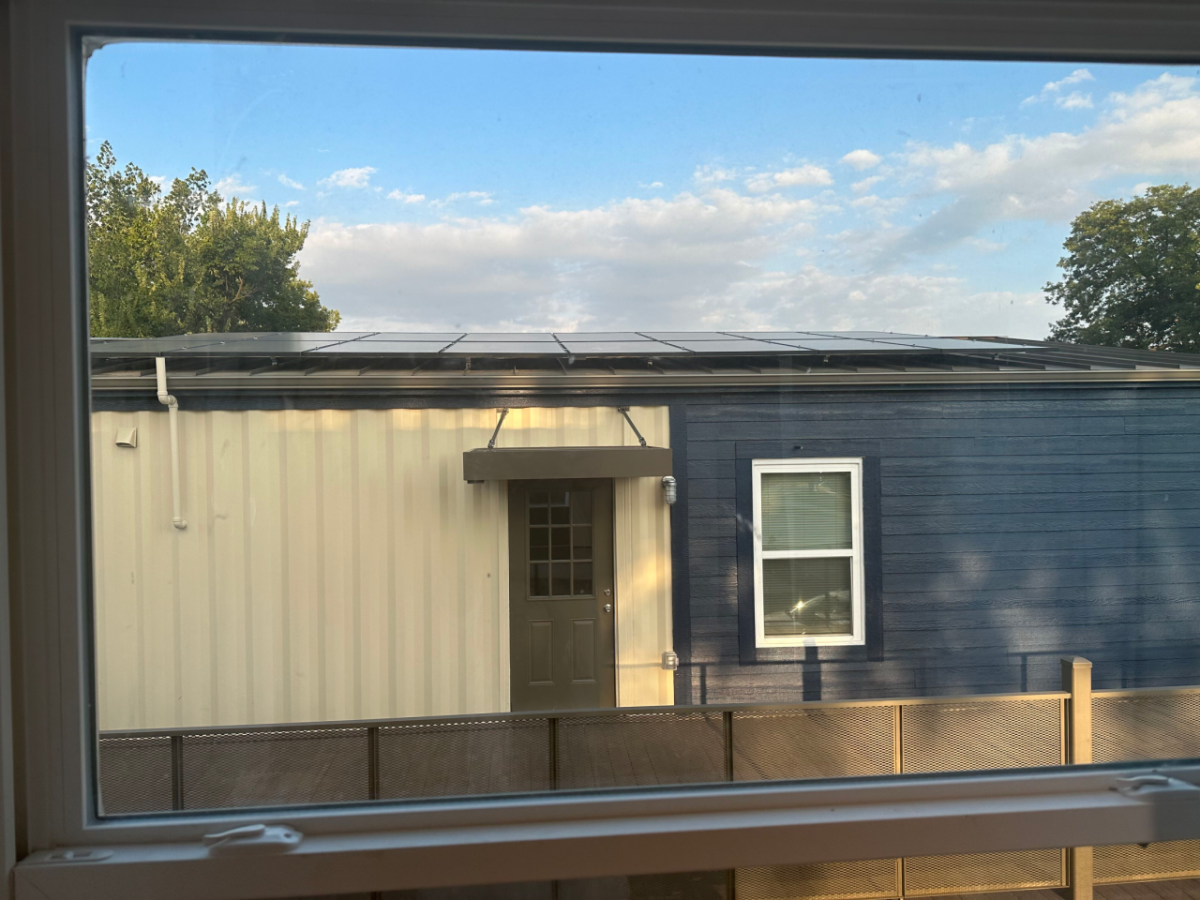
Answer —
(1171, 859)
(462, 758)
(135, 775)
(975, 872)
(820, 881)
(1154, 726)
(819, 743)
(274, 768)
(960, 736)
(642, 748)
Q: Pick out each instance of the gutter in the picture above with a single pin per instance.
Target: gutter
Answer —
(405, 383)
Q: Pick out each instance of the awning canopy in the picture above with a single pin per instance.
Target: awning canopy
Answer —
(513, 463)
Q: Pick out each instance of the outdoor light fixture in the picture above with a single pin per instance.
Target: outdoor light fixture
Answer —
(670, 491)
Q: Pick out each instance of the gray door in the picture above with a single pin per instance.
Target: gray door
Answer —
(561, 597)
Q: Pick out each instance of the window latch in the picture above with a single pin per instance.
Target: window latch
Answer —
(253, 840)
(1156, 788)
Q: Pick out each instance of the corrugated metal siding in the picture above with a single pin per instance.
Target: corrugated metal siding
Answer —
(336, 565)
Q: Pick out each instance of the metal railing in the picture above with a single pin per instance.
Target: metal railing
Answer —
(161, 770)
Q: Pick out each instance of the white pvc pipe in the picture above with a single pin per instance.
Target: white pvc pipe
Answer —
(172, 406)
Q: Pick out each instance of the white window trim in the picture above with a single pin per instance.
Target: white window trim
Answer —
(46, 454)
(857, 636)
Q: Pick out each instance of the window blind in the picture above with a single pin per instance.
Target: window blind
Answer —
(806, 511)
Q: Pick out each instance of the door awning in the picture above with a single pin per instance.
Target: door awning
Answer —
(513, 463)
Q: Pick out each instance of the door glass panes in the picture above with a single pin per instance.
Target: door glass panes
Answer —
(560, 543)
(806, 596)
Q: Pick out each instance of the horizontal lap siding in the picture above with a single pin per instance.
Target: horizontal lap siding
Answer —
(1018, 525)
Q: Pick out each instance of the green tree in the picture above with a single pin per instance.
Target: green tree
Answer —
(1131, 273)
(189, 262)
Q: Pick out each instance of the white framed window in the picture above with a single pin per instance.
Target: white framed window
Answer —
(808, 553)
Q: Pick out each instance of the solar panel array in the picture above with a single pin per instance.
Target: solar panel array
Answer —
(541, 344)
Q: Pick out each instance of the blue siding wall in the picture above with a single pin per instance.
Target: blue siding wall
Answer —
(1017, 525)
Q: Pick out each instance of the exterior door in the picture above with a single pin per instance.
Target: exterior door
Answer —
(561, 598)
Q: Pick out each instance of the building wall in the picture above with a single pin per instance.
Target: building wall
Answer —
(1018, 525)
(336, 565)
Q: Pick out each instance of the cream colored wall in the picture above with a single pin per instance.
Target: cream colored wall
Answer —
(336, 565)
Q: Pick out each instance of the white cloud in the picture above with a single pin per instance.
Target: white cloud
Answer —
(288, 182)
(1153, 130)
(1074, 100)
(483, 198)
(405, 197)
(292, 203)
(350, 178)
(861, 187)
(724, 256)
(1052, 91)
(653, 185)
(635, 261)
(233, 186)
(157, 179)
(706, 175)
(861, 159)
(807, 174)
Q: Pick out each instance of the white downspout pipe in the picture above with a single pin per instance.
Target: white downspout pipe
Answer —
(172, 406)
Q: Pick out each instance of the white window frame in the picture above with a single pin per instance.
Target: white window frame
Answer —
(46, 744)
(857, 635)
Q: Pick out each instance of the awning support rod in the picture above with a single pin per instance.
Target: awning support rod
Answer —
(624, 410)
(492, 442)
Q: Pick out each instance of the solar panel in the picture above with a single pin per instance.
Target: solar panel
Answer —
(687, 335)
(842, 345)
(375, 348)
(599, 336)
(506, 348)
(882, 335)
(268, 346)
(157, 346)
(622, 348)
(509, 336)
(730, 345)
(959, 344)
(771, 335)
(444, 337)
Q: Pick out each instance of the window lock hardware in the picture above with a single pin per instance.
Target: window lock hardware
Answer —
(251, 840)
(1155, 787)
(69, 855)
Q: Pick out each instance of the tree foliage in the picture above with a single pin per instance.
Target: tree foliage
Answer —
(1132, 272)
(189, 262)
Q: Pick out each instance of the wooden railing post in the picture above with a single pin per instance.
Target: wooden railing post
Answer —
(1077, 680)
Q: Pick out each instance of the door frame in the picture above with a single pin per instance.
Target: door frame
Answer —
(508, 575)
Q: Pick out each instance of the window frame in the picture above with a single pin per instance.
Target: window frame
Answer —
(46, 516)
(858, 635)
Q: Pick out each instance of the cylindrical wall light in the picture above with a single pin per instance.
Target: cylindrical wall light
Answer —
(670, 491)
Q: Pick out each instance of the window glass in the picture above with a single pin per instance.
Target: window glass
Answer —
(493, 422)
(806, 511)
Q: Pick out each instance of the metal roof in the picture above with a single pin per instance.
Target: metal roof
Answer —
(579, 359)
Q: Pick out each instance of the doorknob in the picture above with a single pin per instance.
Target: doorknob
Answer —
(608, 607)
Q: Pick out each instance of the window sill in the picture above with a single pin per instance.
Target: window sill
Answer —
(625, 833)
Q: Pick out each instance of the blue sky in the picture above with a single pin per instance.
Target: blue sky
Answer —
(499, 190)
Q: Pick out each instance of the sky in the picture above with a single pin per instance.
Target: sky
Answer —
(492, 190)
